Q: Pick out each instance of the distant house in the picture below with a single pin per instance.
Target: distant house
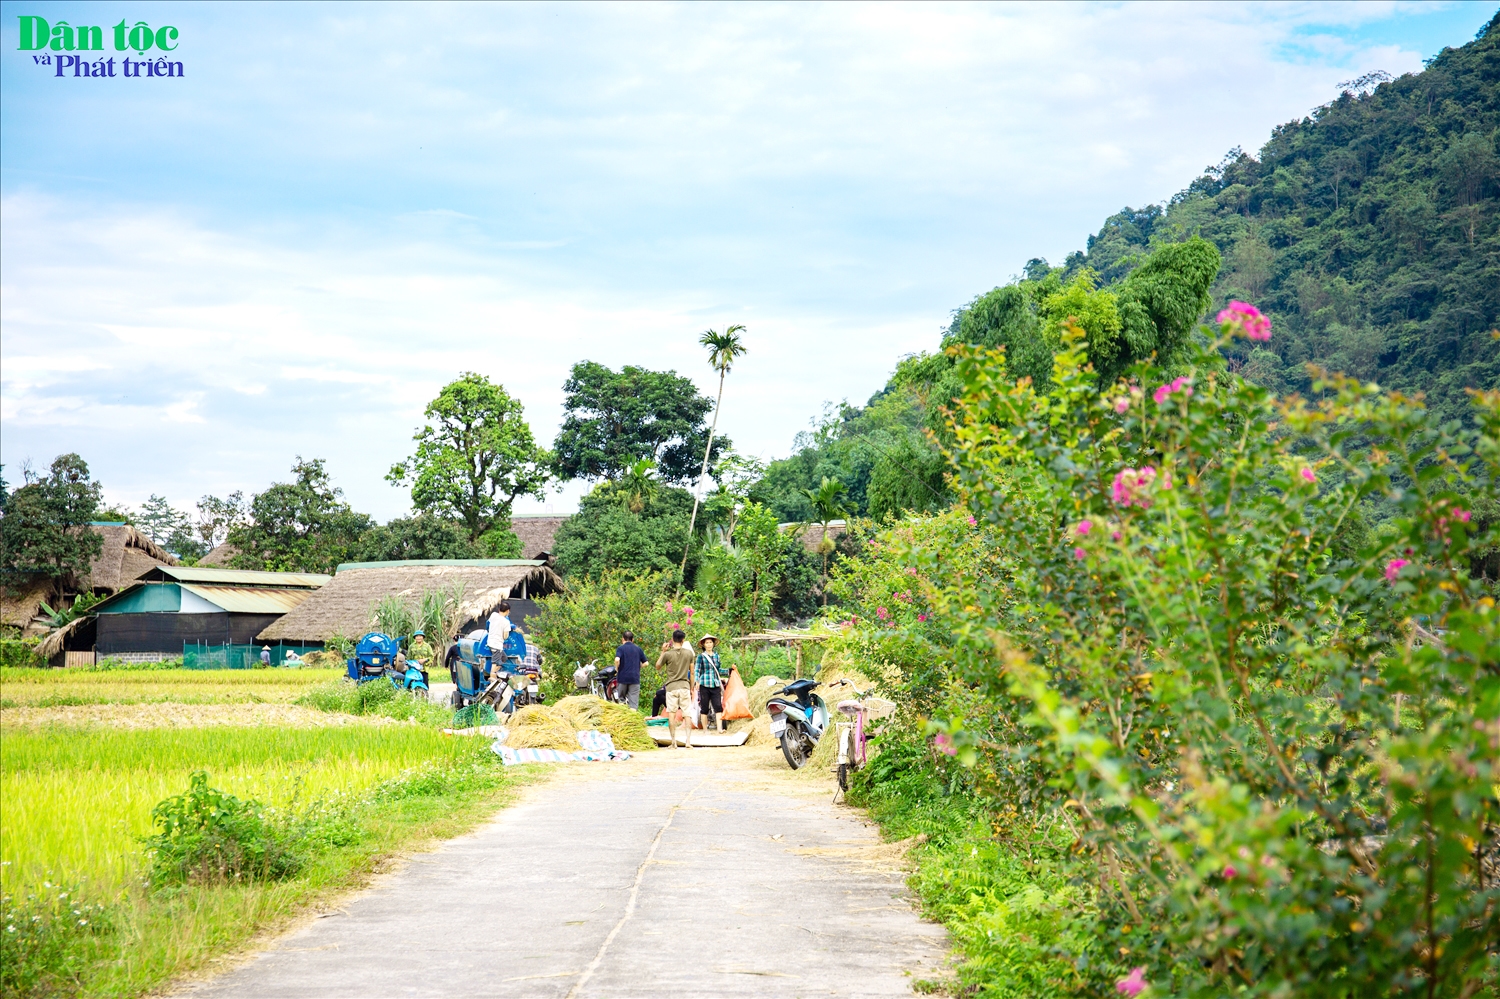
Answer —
(173, 606)
(345, 605)
(126, 554)
(220, 556)
(538, 533)
(812, 534)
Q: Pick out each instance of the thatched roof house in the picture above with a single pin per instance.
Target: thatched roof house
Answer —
(538, 533)
(127, 554)
(344, 605)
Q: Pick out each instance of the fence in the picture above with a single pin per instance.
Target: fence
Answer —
(200, 655)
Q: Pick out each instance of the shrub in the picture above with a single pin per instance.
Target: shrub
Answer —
(1275, 741)
(20, 652)
(207, 836)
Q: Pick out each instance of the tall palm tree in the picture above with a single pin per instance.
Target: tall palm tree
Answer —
(723, 350)
(828, 505)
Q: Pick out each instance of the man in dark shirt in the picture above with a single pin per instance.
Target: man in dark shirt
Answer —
(628, 660)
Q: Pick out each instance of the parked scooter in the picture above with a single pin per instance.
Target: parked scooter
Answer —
(378, 656)
(599, 682)
(798, 720)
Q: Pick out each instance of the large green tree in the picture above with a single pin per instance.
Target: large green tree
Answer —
(421, 537)
(44, 530)
(475, 456)
(299, 526)
(624, 526)
(617, 418)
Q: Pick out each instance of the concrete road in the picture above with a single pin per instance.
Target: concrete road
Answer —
(680, 873)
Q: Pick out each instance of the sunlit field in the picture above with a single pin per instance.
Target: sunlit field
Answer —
(85, 756)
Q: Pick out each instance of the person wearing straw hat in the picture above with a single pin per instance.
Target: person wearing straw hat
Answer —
(710, 681)
(265, 655)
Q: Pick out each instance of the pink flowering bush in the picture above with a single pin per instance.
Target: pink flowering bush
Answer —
(1276, 743)
(1242, 317)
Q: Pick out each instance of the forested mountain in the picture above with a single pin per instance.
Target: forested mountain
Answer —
(1368, 231)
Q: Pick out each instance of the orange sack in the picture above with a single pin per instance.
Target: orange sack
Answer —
(736, 698)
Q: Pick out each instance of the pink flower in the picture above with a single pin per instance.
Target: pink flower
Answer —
(1462, 515)
(1121, 405)
(686, 609)
(1080, 554)
(1393, 569)
(673, 626)
(1084, 527)
(921, 617)
(972, 521)
(947, 748)
(1133, 985)
(1230, 872)
(669, 606)
(1178, 384)
(1309, 474)
(882, 613)
(1160, 395)
(911, 570)
(1114, 535)
(1247, 319)
(1129, 488)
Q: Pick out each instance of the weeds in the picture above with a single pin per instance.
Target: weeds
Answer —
(377, 697)
(48, 939)
(211, 837)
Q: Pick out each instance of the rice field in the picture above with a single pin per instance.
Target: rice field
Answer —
(65, 688)
(74, 801)
(85, 756)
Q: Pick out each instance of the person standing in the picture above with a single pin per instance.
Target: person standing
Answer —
(419, 650)
(629, 658)
(710, 681)
(676, 665)
(265, 655)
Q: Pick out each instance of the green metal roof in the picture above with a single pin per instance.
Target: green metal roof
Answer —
(249, 599)
(235, 577)
(490, 562)
(194, 598)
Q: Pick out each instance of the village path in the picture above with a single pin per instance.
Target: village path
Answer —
(679, 873)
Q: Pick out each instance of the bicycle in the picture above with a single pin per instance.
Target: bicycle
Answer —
(853, 735)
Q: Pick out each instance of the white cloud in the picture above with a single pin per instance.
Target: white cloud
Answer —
(306, 244)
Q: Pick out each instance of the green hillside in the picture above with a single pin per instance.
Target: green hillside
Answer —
(1368, 230)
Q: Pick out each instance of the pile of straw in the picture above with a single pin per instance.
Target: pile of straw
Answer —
(556, 726)
(538, 726)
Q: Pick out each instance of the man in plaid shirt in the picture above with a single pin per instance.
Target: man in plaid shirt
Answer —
(710, 683)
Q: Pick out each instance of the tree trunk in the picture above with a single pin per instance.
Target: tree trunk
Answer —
(698, 488)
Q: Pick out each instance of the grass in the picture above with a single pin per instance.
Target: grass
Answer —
(76, 802)
(1025, 924)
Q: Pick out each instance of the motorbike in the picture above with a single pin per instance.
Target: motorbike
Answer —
(798, 719)
(599, 682)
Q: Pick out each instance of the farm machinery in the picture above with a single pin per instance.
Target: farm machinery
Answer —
(378, 656)
(504, 682)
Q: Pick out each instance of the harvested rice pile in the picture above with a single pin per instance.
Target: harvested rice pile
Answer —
(762, 691)
(538, 726)
(556, 726)
(585, 710)
(626, 727)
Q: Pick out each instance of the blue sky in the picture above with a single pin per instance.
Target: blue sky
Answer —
(338, 208)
